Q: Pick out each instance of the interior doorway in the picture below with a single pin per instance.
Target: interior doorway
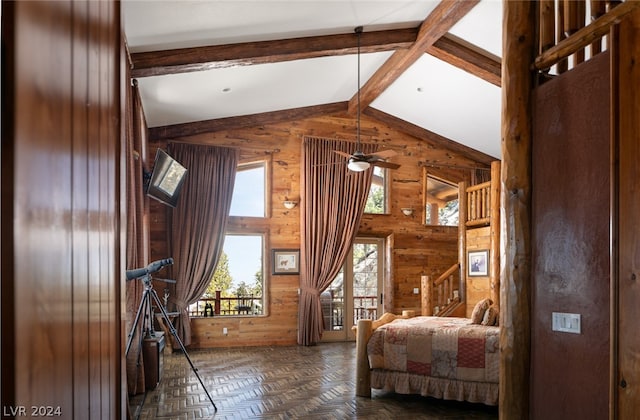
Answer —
(356, 292)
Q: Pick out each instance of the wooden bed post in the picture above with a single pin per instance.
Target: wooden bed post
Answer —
(427, 296)
(519, 24)
(363, 373)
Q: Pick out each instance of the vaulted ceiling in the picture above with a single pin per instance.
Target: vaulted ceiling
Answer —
(432, 66)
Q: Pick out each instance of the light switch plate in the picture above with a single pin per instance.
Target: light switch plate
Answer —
(564, 322)
(416, 290)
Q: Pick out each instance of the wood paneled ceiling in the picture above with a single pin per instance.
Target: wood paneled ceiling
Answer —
(426, 66)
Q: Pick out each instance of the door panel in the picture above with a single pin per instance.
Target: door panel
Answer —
(356, 292)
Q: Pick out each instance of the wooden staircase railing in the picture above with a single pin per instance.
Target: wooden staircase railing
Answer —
(440, 297)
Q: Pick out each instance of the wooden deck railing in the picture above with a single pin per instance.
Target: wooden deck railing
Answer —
(236, 305)
(442, 294)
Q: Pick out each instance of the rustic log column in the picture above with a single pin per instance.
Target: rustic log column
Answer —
(363, 372)
(494, 234)
(519, 30)
(462, 239)
(625, 279)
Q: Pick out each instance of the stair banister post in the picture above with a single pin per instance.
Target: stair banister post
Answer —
(427, 296)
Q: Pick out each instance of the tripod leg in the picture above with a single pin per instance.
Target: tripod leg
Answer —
(141, 309)
(174, 332)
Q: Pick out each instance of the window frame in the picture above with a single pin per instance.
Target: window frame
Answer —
(237, 231)
(266, 164)
(386, 191)
(425, 201)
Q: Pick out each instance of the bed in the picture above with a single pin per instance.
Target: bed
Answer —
(441, 357)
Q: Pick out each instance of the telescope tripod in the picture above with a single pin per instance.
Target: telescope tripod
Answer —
(145, 309)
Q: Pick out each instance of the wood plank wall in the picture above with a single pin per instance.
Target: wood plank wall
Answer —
(61, 209)
(478, 288)
(416, 249)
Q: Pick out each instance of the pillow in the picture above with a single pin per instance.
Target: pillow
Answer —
(478, 311)
(490, 316)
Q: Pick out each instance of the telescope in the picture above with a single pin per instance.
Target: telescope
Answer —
(151, 268)
(145, 312)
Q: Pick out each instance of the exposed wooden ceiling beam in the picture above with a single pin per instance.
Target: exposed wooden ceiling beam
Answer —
(430, 136)
(449, 48)
(468, 57)
(185, 60)
(169, 132)
(440, 20)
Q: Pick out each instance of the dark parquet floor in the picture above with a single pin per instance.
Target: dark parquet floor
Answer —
(294, 382)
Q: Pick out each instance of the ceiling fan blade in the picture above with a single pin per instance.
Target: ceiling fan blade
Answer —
(383, 164)
(347, 155)
(384, 154)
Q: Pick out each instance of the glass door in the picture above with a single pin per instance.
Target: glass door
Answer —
(356, 292)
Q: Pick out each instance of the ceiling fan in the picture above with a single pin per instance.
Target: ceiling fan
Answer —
(359, 161)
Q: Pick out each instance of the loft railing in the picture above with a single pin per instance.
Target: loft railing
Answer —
(566, 39)
(479, 204)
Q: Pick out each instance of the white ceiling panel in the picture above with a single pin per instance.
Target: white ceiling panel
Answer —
(448, 101)
(246, 90)
(482, 26)
(178, 24)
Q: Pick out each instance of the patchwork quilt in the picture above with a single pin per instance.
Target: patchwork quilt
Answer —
(439, 347)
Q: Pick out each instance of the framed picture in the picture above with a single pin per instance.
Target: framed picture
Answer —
(478, 263)
(285, 261)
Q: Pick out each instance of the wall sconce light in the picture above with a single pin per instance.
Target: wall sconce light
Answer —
(407, 211)
(290, 204)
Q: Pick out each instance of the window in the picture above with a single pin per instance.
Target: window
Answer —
(237, 286)
(249, 196)
(441, 207)
(377, 200)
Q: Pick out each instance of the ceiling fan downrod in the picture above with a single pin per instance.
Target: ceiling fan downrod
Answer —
(358, 30)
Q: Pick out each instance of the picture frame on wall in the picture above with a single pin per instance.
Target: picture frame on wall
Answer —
(285, 261)
(478, 263)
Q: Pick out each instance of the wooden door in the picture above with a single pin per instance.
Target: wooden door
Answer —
(356, 292)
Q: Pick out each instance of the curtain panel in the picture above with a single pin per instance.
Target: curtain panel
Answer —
(333, 202)
(137, 235)
(196, 227)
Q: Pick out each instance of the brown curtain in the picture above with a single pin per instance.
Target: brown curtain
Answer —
(137, 243)
(333, 202)
(197, 225)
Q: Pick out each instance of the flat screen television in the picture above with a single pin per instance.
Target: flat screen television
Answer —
(166, 179)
